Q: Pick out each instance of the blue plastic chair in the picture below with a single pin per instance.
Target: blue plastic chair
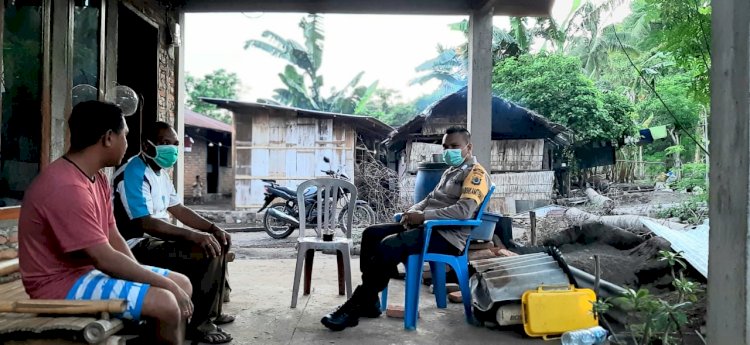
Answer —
(460, 265)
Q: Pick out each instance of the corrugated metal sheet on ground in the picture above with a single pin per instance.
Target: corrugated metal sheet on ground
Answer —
(694, 243)
(505, 279)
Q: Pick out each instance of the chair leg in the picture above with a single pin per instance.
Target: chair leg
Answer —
(309, 258)
(384, 299)
(438, 284)
(340, 270)
(413, 279)
(297, 272)
(463, 282)
(345, 270)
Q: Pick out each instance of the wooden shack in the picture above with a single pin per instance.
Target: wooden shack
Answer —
(524, 148)
(289, 144)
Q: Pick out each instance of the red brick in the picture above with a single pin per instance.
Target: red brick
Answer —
(481, 254)
(455, 297)
(396, 311)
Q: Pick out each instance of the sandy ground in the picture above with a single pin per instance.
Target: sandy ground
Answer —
(261, 298)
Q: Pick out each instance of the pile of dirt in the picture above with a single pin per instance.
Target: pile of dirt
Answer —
(625, 259)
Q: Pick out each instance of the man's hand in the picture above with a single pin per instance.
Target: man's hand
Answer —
(183, 300)
(412, 218)
(208, 242)
(222, 236)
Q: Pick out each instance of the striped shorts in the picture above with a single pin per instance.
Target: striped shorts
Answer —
(96, 285)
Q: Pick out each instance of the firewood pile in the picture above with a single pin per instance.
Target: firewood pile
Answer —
(379, 185)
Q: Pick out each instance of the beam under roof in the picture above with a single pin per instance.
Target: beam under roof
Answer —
(521, 8)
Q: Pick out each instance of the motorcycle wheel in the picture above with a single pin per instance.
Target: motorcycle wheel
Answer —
(363, 216)
(274, 227)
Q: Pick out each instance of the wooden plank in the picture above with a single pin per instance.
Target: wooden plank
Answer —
(325, 129)
(277, 163)
(421, 152)
(242, 191)
(10, 213)
(9, 291)
(69, 307)
(259, 163)
(243, 127)
(8, 266)
(260, 129)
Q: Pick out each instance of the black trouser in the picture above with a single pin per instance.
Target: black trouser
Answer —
(204, 272)
(385, 245)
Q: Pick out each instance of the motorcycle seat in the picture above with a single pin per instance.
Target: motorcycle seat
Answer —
(287, 190)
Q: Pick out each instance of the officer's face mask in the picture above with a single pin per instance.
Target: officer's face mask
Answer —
(453, 157)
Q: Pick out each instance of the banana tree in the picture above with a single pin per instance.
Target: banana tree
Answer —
(304, 61)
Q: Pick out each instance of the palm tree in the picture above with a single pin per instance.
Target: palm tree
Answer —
(304, 61)
(451, 65)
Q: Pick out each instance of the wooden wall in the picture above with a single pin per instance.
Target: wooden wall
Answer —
(507, 155)
(509, 187)
(277, 144)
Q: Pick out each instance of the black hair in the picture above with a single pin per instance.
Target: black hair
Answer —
(459, 130)
(153, 131)
(90, 120)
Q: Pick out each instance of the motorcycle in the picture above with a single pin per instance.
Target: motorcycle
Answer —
(282, 218)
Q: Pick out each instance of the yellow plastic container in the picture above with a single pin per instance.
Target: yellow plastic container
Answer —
(552, 311)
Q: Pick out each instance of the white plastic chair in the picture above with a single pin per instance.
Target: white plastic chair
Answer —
(327, 198)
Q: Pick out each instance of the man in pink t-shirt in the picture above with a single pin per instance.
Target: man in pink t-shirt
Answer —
(69, 245)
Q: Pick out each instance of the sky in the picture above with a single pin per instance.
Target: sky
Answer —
(386, 47)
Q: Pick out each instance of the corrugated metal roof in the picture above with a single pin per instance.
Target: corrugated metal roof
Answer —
(199, 120)
(372, 125)
(693, 243)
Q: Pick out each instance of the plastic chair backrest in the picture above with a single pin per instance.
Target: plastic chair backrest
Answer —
(485, 202)
(327, 199)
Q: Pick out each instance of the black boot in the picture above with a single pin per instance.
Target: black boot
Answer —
(344, 316)
(370, 308)
(347, 315)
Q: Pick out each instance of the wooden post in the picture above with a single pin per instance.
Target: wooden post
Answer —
(479, 108)
(728, 316)
(532, 219)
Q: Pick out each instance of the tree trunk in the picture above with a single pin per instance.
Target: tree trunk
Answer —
(628, 222)
(600, 200)
(677, 156)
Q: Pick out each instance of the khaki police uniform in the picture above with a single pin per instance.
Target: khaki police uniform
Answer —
(457, 196)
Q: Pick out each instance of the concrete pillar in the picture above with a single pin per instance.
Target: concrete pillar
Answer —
(479, 119)
(729, 242)
(180, 105)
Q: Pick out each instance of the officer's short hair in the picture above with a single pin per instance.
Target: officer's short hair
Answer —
(459, 130)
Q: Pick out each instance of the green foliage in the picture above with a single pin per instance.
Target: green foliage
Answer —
(304, 61)
(673, 89)
(693, 211)
(219, 84)
(692, 175)
(553, 86)
(651, 320)
(386, 105)
(684, 31)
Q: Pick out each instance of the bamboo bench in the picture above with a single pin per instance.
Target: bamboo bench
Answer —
(68, 322)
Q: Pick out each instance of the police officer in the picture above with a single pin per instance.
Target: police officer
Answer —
(458, 195)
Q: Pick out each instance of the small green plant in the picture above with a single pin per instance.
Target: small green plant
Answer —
(693, 211)
(652, 320)
(692, 177)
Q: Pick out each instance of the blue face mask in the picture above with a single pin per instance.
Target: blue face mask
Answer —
(166, 155)
(453, 157)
